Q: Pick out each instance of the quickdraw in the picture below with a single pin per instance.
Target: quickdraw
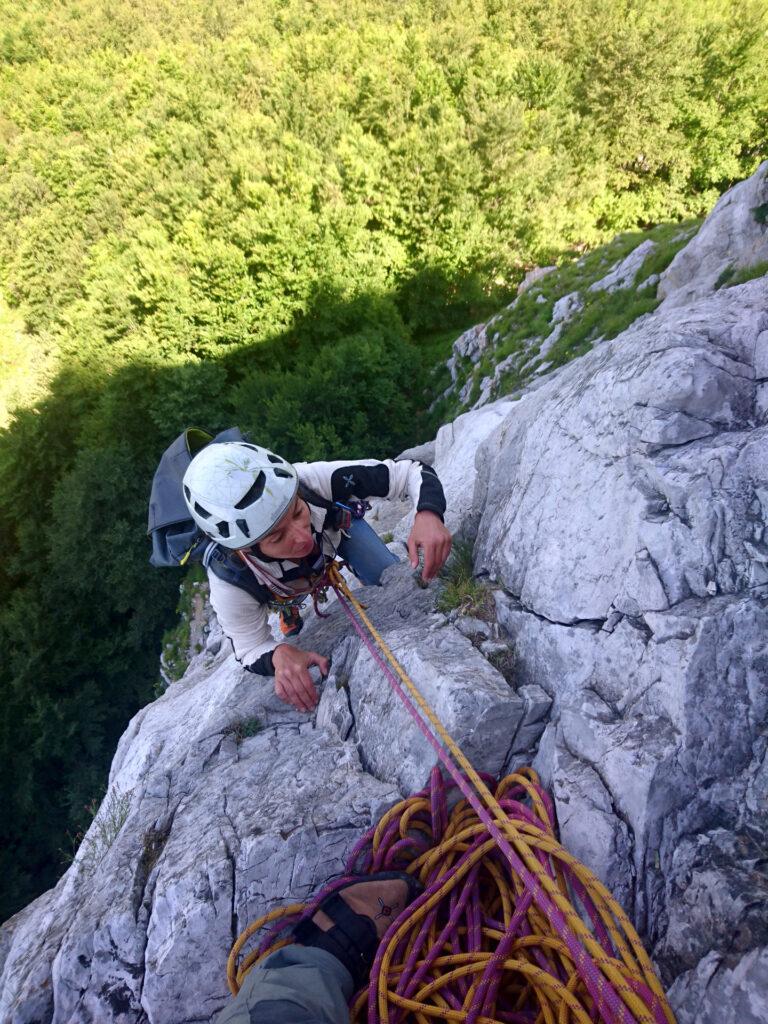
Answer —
(354, 510)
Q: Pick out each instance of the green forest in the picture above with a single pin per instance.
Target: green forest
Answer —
(280, 215)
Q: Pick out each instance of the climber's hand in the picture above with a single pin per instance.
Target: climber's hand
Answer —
(293, 683)
(431, 535)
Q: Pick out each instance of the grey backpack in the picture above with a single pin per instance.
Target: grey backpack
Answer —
(176, 538)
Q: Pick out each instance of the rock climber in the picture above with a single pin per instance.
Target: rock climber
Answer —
(275, 526)
(312, 979)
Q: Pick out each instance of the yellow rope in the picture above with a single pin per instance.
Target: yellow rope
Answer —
(595, 888)
(557, 1002)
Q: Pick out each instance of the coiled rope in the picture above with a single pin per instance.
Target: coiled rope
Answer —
(495, 938)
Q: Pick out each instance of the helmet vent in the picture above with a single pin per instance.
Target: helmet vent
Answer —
(274, 458)
(223, 529)
(254, 492)
(243, 527)
(188, 493)
(202, 512)
(283, 473)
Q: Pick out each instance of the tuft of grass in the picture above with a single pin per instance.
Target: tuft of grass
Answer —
(725, 277)
(460, 588)
(760, 213)
(108, 816)
(153, 844)
(387, 537)
(731, 277)
(504, 662)
(243, 729)
(176, 642)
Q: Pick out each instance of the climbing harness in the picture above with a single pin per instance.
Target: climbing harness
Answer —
(283, 595)
(500, 934)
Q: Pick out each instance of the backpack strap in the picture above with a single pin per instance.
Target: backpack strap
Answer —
(229, 568)
(313, 498)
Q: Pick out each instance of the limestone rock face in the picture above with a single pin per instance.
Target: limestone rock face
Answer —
(457, 448)
(724, 989)
(734, 235)
(214, 825)
(224, 801)
(619, 515)
(633, 478)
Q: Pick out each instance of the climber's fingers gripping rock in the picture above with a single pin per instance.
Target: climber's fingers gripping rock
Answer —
(293, 683)
(432, 537)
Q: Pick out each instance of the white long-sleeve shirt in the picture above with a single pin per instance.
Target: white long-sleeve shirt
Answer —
(243, 618)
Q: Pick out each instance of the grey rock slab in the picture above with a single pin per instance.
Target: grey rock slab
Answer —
(420, 453)
(402, 600)
(471, 627)
(588, 824)
(601, 464)
(469, 345)
(533, 276)
(717, 891)
(567, 307)
(470, 697)
(486, 389)
(550, 341)
(723, 990)
(536, 707)
(384, 516)
(457, 447)
(623, 274)
(761, 356)
(472, 343)
(731, 236)
(333, 711)
(632, 731)
(216, 830)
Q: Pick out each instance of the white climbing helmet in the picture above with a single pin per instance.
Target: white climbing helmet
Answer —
(237, 492)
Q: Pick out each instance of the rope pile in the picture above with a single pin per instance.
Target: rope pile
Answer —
(475, 947)
(510, 928)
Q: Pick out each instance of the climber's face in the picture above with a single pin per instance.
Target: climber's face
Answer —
(292, 537)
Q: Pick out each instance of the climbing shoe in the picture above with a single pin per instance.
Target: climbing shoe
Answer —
(350, 922)
(291, 622)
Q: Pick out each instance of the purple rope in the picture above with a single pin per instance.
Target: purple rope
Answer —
(607, 1002)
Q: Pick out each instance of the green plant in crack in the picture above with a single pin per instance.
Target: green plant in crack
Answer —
(89, 846)
(177, 640)
(459, 587)
(243, 729)
(731, 276)
(604, 314)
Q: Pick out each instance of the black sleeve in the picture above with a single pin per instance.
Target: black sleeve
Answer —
(431, 495)
(362, 481)
(263, 665)
(373, 482)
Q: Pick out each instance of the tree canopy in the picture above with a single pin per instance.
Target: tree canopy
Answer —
(274, 215)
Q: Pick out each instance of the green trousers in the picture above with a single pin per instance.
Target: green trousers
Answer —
(295, 985)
